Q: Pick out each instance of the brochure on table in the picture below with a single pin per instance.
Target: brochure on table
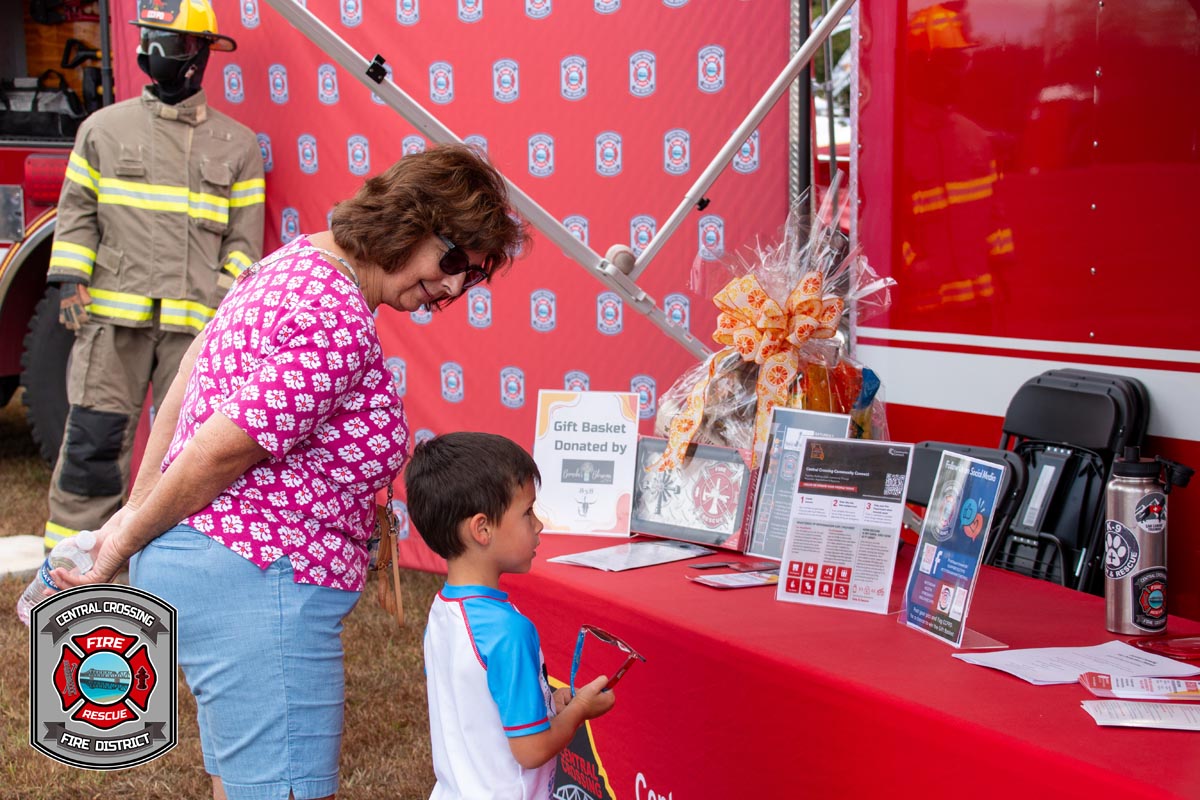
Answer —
(705, 499)
(777, 484)
(585, 447)
(844, 527)
(950, 549)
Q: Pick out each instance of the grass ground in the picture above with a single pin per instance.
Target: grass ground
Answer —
(385, 752)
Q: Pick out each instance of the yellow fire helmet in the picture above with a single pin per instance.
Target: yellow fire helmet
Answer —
(193, 17)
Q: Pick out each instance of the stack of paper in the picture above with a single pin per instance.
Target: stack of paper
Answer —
(1050, 665)
(1143, 715)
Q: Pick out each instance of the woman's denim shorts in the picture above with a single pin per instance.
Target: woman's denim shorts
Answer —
(263, 657)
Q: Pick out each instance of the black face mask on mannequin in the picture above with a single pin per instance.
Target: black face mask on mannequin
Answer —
(175, 79)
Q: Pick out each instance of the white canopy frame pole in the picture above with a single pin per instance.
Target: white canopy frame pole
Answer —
(371, 74)
(695, 195)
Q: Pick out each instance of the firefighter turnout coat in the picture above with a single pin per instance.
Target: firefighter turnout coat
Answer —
(161, 209)
(161, 203)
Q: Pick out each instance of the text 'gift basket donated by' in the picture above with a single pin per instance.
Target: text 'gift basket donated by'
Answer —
(779, 324)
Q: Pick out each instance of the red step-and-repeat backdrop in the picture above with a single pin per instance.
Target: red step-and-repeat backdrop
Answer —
(604, 111)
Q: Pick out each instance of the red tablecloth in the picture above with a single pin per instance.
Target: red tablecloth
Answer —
(743, 696)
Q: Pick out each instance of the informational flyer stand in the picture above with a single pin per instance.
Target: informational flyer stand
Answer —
(777, 484)
(950, 550)
(586, 449)
(844, 528)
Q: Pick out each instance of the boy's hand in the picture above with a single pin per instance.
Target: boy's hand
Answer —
(561, 698)
(592, 701)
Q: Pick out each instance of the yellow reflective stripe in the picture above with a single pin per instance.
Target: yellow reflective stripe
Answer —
(185, 313)
(55, 533)
(236, 262)
(81, 172)
(120, 305)
(73, 257)
(1001, 241)
(157, 197)
(248, 193)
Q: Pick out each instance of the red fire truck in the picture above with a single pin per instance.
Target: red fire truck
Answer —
(55, 70)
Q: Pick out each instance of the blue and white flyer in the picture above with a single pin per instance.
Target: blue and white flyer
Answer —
(844, 529)
(585, 446)
(950, 550)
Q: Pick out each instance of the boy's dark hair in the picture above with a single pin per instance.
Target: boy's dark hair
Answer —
(455, 476)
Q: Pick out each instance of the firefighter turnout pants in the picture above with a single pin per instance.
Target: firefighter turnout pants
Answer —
(111, 369)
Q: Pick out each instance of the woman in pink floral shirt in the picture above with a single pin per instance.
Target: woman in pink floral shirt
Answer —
(272, 446)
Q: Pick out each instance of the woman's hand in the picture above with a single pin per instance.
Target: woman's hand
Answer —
(110, 553)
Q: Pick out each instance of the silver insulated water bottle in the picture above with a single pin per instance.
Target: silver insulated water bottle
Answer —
(1135, 542)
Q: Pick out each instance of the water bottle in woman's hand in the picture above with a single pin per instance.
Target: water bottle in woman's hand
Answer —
(72, 554)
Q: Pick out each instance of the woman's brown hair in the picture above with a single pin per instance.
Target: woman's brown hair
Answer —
(450, 190)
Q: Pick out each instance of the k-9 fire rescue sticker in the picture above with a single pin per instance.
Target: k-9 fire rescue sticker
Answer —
(102, 677)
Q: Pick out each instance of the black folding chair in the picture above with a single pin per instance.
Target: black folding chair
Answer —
(1067, 432)
(926, 457)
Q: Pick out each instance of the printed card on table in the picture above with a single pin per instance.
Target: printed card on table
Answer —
(844, 528)
(586, 447)
(946, 563)
(704, 500)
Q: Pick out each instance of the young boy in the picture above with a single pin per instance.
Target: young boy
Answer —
(496, 727)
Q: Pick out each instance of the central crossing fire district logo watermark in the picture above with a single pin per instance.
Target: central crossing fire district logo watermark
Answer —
(102, 677)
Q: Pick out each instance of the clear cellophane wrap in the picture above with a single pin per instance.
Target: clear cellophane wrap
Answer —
(779, 327)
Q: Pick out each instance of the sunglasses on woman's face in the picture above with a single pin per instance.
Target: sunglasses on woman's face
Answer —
(631, 655)
(455, 261)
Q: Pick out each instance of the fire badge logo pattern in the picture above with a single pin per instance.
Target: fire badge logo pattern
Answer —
(102, 677)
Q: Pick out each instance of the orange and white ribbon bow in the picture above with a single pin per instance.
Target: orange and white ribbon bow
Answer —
(753, 325)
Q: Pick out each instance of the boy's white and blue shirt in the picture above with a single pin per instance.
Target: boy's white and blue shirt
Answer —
(485, 680)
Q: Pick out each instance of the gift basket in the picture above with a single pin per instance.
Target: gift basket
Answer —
(779, 324)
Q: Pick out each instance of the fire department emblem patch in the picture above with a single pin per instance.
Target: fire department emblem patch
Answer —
(506, 85)
(537, 9)
(512, 387)
(264, 149)
(452, 382)
(470, 10)
(351, 13)
(102, 677)
(327, 85)
(235, 91)
(578, 226)
(412, 144)
(542, 315)
(677, 151)
(278, 83)
(541, 155)
(479, 307)
(422, 435)
(478, 142)
(249, 10)
(710, 69)
(608, 313)
(358, 155)
(306, 149)
(715, 495)
(576, 381)
(711, 232)
(746, 159)
(678, 310)
(441, 82)
(573, 77)
(608, 153)
(408, 12)
(641, 230)
(641, 74)
(644, 387)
